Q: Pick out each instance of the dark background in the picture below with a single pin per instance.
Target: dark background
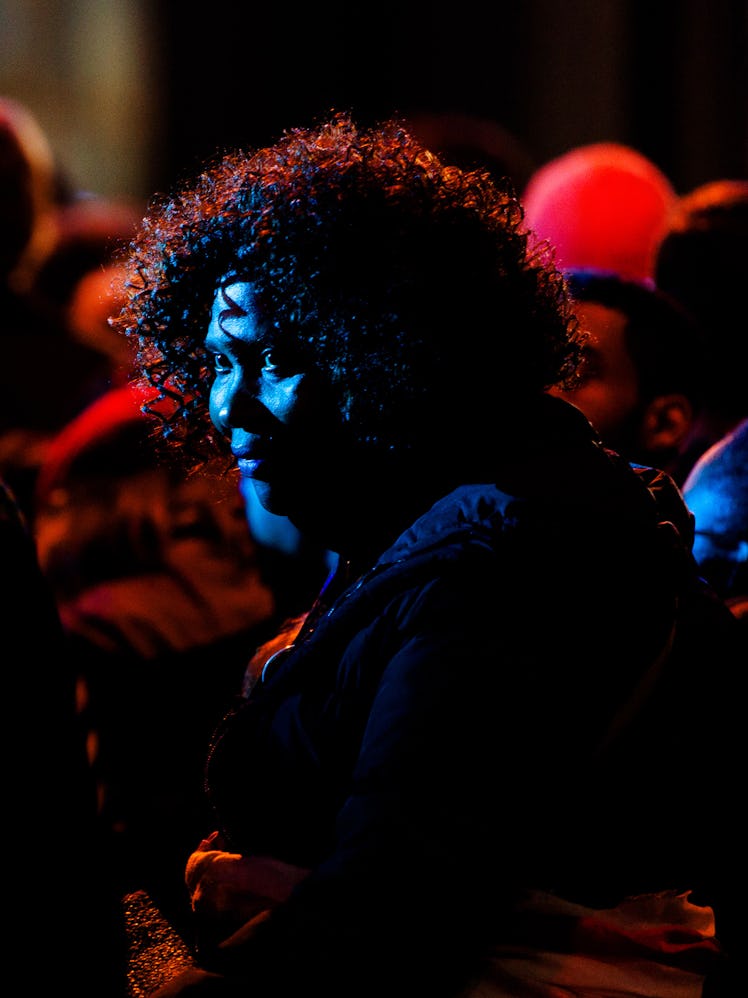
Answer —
(135, 94)
(668, 78)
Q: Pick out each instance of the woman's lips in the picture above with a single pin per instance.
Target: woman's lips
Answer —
(250, 467)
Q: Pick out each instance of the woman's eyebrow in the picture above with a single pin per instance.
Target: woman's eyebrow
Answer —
(232, 311)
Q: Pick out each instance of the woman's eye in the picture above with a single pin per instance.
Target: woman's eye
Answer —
(221, 363)
(272, 361)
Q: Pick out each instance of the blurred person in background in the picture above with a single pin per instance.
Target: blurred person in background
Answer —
(63, 925)
(472, 142)
(51, 240)
(716, 492)
(162, 599)
(641, 381)
(702, 262)
(57, 846)
(78, 281)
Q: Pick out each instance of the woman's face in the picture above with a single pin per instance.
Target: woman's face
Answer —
(276, 410)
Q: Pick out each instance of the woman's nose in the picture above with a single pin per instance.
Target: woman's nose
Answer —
(242, 410)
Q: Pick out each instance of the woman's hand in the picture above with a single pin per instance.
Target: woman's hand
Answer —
(228, 887)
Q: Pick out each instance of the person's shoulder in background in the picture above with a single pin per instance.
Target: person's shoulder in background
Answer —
(716, 492)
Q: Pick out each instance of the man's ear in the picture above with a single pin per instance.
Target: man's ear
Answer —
(667, 422)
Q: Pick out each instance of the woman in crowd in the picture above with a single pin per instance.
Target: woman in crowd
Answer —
(450, 779)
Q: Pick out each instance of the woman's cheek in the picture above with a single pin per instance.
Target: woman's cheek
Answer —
(215, 405)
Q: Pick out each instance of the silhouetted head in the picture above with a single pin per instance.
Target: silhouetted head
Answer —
(640, 382)
(373, 317)
(702, 261)
(405, 283)
(27, 193)
(473, 142)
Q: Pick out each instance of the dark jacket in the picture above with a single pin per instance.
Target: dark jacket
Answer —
(467, 719)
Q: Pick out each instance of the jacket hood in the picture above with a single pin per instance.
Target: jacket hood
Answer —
(557, 471)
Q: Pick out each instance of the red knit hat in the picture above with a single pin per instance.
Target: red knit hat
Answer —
(602, 205)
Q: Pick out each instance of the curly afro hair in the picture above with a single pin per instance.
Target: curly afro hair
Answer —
(407, 281)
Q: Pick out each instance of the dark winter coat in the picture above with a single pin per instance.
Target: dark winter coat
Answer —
(478, 713)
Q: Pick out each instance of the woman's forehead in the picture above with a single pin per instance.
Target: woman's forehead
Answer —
(235, 293)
